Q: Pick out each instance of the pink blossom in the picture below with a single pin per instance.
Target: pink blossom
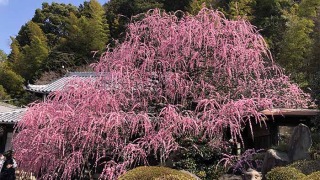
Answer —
(171, 78)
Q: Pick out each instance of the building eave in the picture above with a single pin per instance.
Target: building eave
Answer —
(291, 112)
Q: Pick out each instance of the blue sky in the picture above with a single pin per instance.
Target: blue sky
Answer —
(15, 13)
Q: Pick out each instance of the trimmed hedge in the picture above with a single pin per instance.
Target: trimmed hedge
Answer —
(171, 177)
(285, 173)
(306, 166)
(313, 176)
(155, 173)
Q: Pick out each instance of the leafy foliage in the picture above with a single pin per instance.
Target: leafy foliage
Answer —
(3, 94)
(290, 28)
(293, 54)
(172, 78)
(59, 30)
(52, 19)
(3, 56)
(199, 157)
(119, 13)
(10, 81)
(243, 8)
(296, 50)
(27, 60)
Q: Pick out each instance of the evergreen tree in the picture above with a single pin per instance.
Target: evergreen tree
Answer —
(242, 8)
(296, 47)
(119, 13)
(87, 33)
(97, 29)
(3, 94)
(77, 41)
(52, 18)
(3, 56)
(174, 5)
(197, 5)
(16, 56)
(29, 63)
(269, 18)
(11, 82)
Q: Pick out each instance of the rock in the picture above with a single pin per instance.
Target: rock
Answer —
(189, 173)
(300, 143)
(272, 159)
(230, 177)
(252, 174)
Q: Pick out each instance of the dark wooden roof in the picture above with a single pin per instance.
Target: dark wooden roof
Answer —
(291, 112)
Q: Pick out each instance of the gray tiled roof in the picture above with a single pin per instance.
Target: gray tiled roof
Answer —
(60, 83)
(4, 107)
(11, 117)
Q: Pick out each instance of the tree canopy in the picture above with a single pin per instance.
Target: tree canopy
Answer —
(73, 34)
(172, 78)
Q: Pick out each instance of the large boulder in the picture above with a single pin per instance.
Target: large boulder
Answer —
(300, 143)
(252, 174)
(230, 177)
(272, 159)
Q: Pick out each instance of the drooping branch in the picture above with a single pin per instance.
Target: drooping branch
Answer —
(171, 78)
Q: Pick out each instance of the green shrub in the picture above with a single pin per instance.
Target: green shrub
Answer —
(200, 158)
(313, 176)
(306, 166)
(172, 177)
(155, 173)
(284, 173)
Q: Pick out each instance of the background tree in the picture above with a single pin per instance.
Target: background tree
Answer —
(119, 13)
(196, 5)
(29, 64)
(296, 47)
(58, 44)
(175, 5)
(171, 79)
(10, 82)
(52, 19)
(314, 66)
(267, 15)
(3, 94)
(96, 29)
(3, 56)
(242, 8)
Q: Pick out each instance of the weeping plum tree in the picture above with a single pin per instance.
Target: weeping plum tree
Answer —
(172, 78)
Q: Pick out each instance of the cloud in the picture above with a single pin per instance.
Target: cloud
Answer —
(4, 2)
